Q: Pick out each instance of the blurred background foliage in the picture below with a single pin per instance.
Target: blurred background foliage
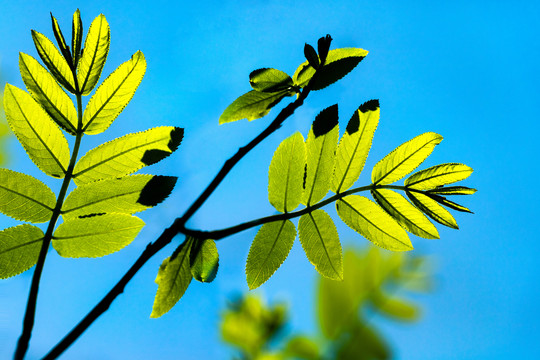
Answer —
(374, 286)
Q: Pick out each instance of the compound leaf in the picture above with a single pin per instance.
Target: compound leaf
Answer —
(452, 190)
(128, 195)
(76, 39)
(339, 63)
(96, 48)
(252, 105)
(320, 240)
(19, 249)
(173, 279)
(113, 95)
(54, 61)
(25, 198)
(96, 236)
(48, 93)
(438, 175)
(430, 207)
(405, 213)
(354, 146)
(204, 260)
(268, 251)
(404, 159)
(270, 80)
(373, 223)
(38, 134)
(286, 174)
(127, 154)
(321, 147)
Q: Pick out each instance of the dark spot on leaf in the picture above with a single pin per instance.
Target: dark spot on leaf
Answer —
(370, 105)
(153, 156)
(354, 124)
(176, 138)
(157, 190)
(90, 215)
(334, 71)
(305, 177)
(325, 121)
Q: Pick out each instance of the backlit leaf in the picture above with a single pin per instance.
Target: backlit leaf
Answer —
(252, 105)
(204, 260)
(373, 223)
(302, 347)
(320, 240)
(113, 95)
(405, 213)
(286, 174)
(321, 147)
(452, 190)
(354, 146)
(268, 251)
(25, 198)
(404, 159)
(128, 194)
(19, 249)
(430, 207)
(48, 93)
(96, 236)
(269, 80)
(452, 205)
(127, 154)
(339, 63)
(64, 48)
(395, 307)
(76, 39)
(96, 48)
(173, 279)
(439, 175)
(54, 61)
(38, 134)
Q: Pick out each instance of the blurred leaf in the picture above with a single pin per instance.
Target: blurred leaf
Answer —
(96, 48)
(270, 80)
(395, 307)
(302, 347)
(204, 260)
(364, 344)
(430, 207)
(439, 175)
(19, 249)
(252, 105)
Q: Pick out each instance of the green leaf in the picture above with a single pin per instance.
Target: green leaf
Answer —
(452, 190)
(173, 279)
(113, 95)
(204, 260)
(268, 251)
(373, 223)
(339, 63)
(430, 207)
(302, 347)
(96, 48)
(60, 40)
(320, 240)
(405, 213)
(96, 236)
(269, 80)
(354, 146)
(439, 175)
(395, 307)
(252, 105)
(127, 154)
(128, 194)
(404, 159)
(37, 133)
(48, 93)
(452, 205)
(321, 147)
(286, 174)
(54, 61)
(19, 249)
(25, 198)
(76, 39)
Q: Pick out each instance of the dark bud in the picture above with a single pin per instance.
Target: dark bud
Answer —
(323, 46)
(311, 56)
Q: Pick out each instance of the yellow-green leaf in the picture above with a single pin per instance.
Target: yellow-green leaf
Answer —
(373, 223)
(127, 154)
(252, 105)
(60, 40)
(405, 213)
(438, 175)
(321, 147)
(204, 260)
(404, 159)
(339, 63)
(76, 40)
(354, 146)
(128, 195)
(452, 205)
(268, 251)
(430, 207)
(25, 198)
(38, 134)
(320, 240)
(286, 174)
(173, 279)
(96, 236)
(269, 80)
(113, 95)
(453, 190)
(96, 48)
(54, 61)
(48, 93)
(395, 307)
(19, 249)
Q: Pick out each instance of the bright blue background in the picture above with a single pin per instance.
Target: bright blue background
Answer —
(465, 69)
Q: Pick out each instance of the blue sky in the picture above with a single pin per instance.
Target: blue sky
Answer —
(467, 70)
